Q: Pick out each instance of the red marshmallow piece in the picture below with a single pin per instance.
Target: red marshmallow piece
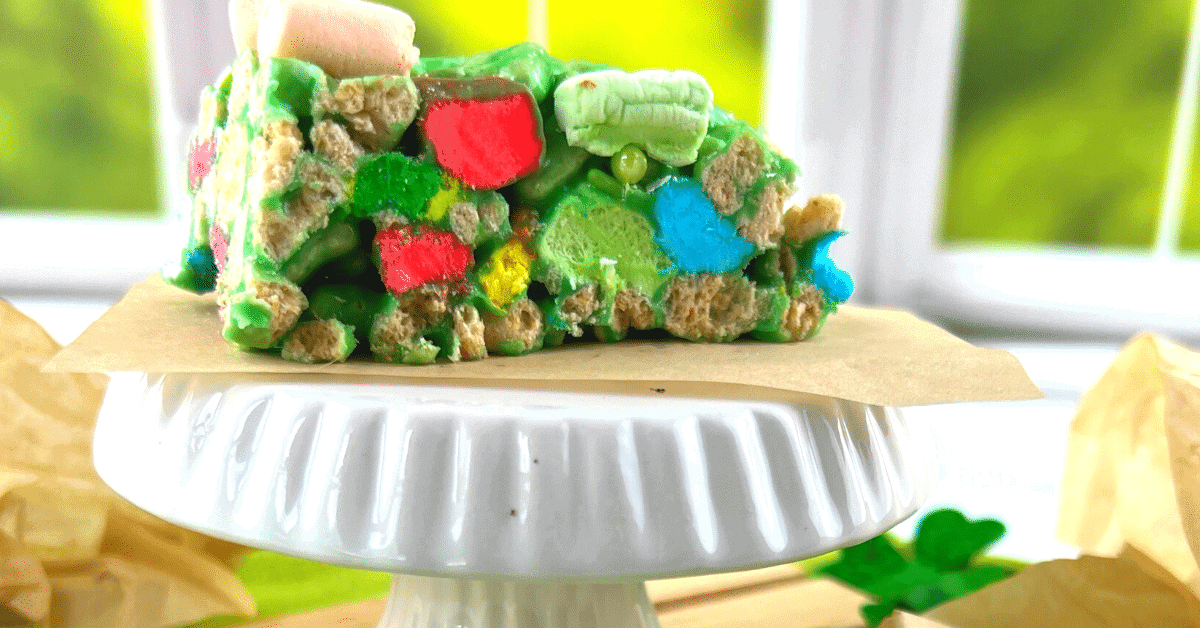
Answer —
(409, 259)
(486, 132)
(217, 242)
(200, 160)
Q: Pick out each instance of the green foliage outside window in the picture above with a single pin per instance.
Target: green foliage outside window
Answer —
(75, 114)
(1063, 123)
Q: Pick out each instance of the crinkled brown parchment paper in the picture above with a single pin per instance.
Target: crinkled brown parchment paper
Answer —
(873, 356)
(72, 552)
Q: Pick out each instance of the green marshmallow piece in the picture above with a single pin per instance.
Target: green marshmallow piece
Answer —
(393, 181)
(592, 237)
(664, 112)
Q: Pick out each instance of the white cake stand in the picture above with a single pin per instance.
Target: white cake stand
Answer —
(504, 508)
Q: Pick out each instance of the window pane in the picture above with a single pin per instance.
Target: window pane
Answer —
(465, 27)
(75, 116)
(1189, 238)
(724, 42)
(1063, 121)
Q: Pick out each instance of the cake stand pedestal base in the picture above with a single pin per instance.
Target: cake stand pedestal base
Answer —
(552, 507)
(434, 602)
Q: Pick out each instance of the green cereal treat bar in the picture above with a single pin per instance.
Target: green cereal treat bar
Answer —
(457, 208)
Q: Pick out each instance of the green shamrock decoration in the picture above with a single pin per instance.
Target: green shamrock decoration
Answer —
(946, 547)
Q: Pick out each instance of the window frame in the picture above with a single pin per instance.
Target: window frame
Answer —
(71, 254)
(881, 80)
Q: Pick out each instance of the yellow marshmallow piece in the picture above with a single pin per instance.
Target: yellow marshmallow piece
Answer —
(507, 274)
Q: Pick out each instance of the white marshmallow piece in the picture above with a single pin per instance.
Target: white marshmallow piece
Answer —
(243, 21)
(346, 38)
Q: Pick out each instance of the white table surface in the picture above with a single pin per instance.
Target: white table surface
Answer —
(1001, 460)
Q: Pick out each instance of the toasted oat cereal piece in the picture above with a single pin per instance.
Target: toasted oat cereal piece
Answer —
(313, 342)
(469, 332)
(520, 331)
(711, 308)
(259, 311)
(766, 226)
(819, 216)
(728, 178)
(804, 314)
(400, 329)
(578, 308)
(333, 142)
(632, 310)
(280, 232)
(376, 109)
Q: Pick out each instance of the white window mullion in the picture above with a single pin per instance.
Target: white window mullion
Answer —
(538, 22)
(915, 91)
(783, 104)
(1183, 134)
(832, 48)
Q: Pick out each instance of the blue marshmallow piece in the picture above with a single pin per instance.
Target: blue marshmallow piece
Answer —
(837, 283)
(203, 269)
(696, 237)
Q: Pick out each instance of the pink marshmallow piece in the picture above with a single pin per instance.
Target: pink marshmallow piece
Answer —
(346, 38)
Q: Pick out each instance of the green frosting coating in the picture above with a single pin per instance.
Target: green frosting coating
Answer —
(424, 352)
(516, 347)
(439, 66)
(765, 269)
(528, 64)
(249, 322)
(350, 303)
(287, 87)
(391, 181)
(561, 166)
(325, 245)
(215, 100)
(773, 304)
